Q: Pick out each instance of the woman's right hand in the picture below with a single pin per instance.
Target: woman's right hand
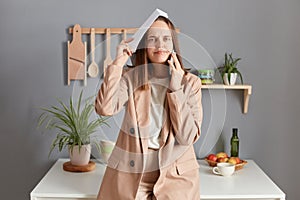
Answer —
(123, 53)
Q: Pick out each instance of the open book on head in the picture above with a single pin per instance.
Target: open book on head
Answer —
(142, 30)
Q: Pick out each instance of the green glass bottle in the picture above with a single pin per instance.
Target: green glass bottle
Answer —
(234, 141)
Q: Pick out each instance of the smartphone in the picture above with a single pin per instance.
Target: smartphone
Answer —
(170, 57)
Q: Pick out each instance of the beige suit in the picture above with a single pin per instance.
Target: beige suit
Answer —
(179, 175)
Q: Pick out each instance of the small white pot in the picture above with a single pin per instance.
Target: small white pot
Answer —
(231, 80)
(82, 157)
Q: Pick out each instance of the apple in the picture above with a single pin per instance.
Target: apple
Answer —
(224, 159)
(212, 157)
(222, 155)
(238, 160)
(232, 160)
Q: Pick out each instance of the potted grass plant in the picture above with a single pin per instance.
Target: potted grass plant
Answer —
(73, 127)
(229, 71)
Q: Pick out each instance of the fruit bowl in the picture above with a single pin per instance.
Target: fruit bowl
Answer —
(237, 166)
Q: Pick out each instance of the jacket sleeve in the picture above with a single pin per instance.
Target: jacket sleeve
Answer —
(113, 93)
(186, 110)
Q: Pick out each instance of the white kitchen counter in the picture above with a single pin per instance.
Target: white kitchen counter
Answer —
(248, 183)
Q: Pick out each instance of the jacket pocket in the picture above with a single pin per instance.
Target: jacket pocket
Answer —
(189, 165)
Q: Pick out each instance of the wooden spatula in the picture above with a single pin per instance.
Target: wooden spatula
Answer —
(124, 34)
(124, 38)
(108, 59)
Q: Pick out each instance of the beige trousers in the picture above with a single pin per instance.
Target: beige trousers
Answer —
(145, 190)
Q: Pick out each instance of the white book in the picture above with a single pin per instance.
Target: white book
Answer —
(142, 30)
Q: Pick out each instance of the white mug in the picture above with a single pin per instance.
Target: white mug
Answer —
(224, 169)
(106, 147)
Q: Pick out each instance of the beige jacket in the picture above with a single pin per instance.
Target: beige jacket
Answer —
(179, 174)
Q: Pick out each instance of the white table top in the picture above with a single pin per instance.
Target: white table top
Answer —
(59, 183)
(250, 182)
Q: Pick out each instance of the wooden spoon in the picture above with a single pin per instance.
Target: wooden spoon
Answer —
(108, 59)
(93, 68)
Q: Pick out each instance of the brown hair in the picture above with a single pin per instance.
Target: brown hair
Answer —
(140, 60)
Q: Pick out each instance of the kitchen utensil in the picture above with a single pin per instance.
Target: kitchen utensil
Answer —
(76, 57)
(124, 34)
(93, 68)
(124, 38)
(108, 59)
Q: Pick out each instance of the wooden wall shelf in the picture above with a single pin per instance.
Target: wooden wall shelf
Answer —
(247, 91)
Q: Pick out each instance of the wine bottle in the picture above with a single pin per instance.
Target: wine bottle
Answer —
(234, 141)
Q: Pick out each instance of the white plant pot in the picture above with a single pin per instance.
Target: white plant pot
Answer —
(82, 157)
(231, 80)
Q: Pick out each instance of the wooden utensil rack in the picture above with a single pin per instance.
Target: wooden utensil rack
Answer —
(77, 65)
(112, 30)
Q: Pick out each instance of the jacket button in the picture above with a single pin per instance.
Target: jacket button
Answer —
(132, 130)
(132, 163)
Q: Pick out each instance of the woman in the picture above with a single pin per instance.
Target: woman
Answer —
(154, 156)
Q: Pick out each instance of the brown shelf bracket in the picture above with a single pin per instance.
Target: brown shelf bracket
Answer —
(247, 91)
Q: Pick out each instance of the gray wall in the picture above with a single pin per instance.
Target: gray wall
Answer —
(265, 34)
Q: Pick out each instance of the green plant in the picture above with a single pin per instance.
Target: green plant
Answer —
(72, 123)
(230, 66)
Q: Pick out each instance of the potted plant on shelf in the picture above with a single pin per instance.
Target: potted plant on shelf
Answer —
(74, 127)
(229, 71)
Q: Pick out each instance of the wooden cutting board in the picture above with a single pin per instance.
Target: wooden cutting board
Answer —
(76, 57)
(67, 166)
